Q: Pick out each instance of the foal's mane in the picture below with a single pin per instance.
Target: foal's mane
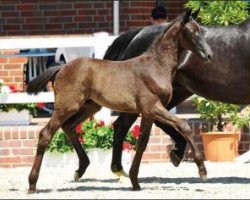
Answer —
(158, 40)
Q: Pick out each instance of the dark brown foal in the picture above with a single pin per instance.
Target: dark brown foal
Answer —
(139, 85)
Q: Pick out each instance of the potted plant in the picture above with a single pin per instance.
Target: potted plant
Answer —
(96, 138)
(219, 143)
(15, 114)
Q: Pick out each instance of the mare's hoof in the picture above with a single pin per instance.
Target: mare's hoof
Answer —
(174, 158)
(76, 176)
(124, 179)
(121, 173)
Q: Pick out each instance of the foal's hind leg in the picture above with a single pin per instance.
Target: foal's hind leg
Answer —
(63, 111)
(181, 126)
(69, 128)
(45, 137)
(121, 127)
(146, 124)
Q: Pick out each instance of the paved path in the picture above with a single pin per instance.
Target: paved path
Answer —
(158, 181)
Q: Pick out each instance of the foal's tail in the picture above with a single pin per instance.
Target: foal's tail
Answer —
(37, 84)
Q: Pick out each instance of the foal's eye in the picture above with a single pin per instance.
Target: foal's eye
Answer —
(195, 33)
(189, 31)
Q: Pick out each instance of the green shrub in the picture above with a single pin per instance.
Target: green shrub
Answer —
(92, 134)
(220, 114)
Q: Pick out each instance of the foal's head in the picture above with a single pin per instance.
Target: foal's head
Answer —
(191, 36)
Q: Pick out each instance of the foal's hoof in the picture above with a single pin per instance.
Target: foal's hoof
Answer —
(136, 188)
(203, 177)
(76, 176)
(31, 191)
(174, 158)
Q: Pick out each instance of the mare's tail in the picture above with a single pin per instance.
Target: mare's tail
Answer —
(37, 84)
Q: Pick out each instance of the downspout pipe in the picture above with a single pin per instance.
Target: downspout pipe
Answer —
(116, 18)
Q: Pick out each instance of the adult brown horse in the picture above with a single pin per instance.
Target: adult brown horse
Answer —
(226, 79)
(139, 85)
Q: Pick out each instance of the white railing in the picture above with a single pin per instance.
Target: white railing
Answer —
(100, 41)
(34, 42)
(23, 97)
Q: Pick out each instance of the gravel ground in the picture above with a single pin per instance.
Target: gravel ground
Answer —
(158, 181)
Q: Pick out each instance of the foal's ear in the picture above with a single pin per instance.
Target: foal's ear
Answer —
(195, 13)
(185, 19)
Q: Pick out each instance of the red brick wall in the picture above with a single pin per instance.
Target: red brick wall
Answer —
(173, 7)
(18, 144)
(28, 17)
(12, 70)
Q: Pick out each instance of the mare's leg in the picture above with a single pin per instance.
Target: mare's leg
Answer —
(176, 155)
(164, 116)
(146, 124)
(69, 128)
(121, 127)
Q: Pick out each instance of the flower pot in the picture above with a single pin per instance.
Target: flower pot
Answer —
(56, 160)
(220, 146)
(99, 156)
(102, 157)
(14, 117)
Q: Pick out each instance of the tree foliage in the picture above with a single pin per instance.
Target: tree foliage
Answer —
(220, 12)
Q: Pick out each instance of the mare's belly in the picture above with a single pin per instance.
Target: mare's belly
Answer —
(225, 87)
(224, 93)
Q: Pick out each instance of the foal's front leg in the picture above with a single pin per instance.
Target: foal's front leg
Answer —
(146, 124)
(181, 126)
(179, 95)
(86, 111)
